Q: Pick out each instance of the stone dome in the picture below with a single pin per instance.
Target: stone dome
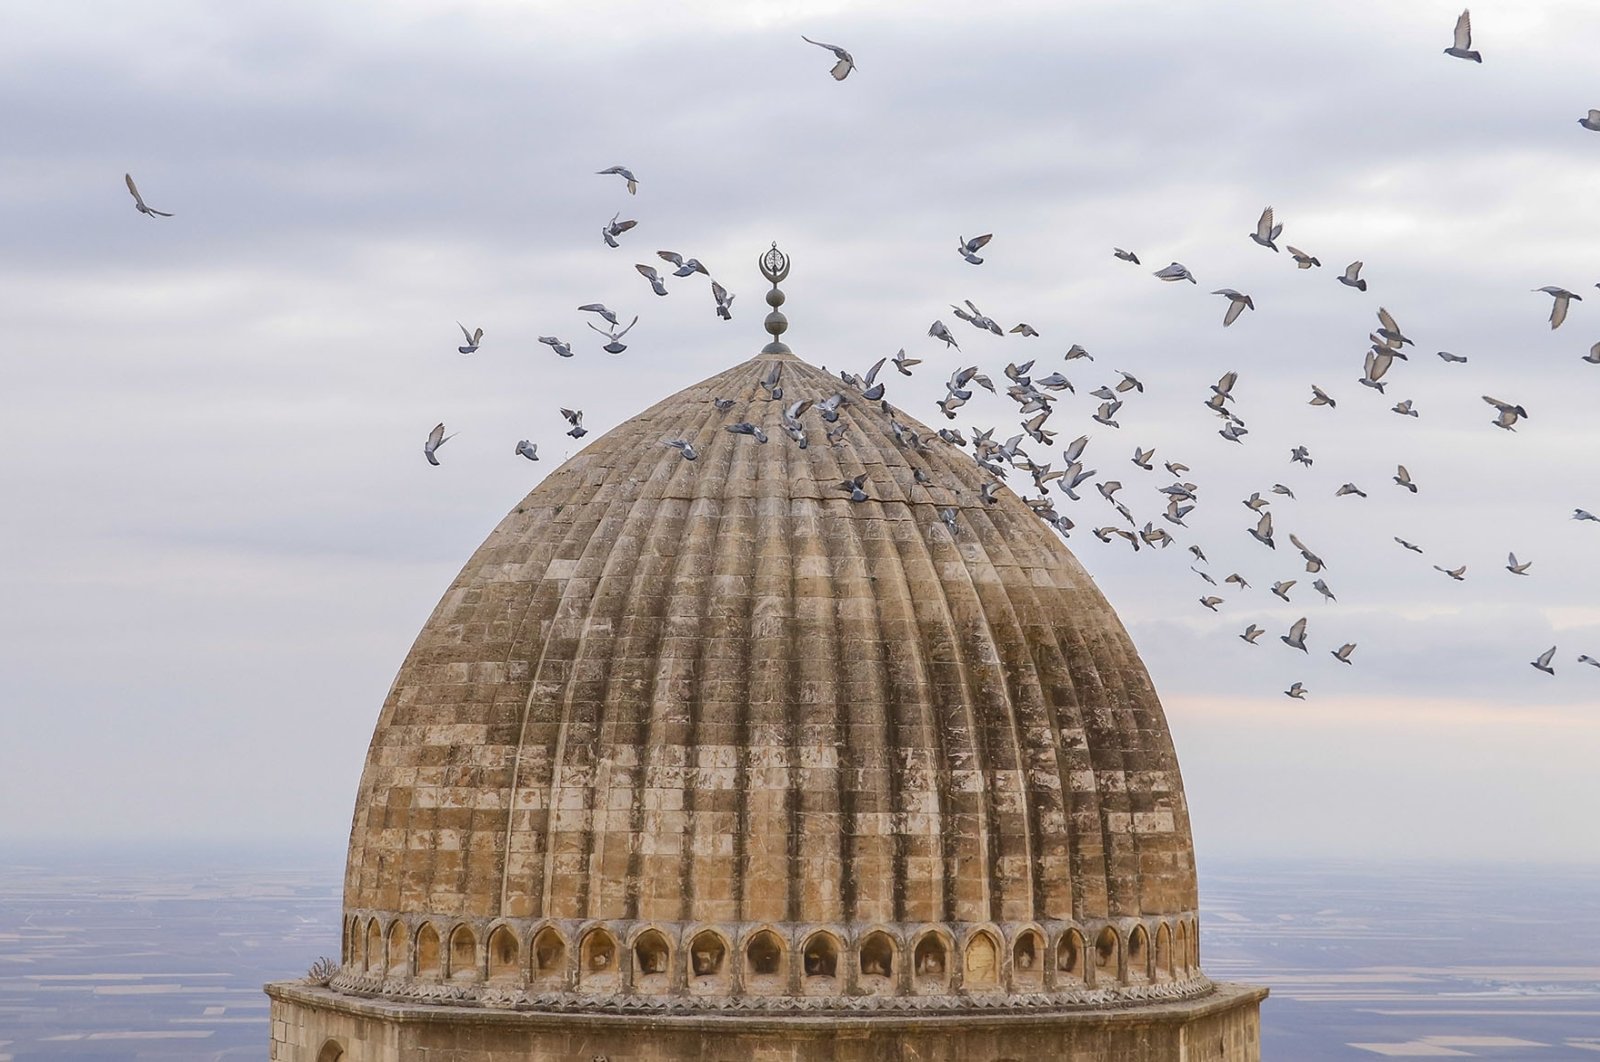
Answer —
(710, 735)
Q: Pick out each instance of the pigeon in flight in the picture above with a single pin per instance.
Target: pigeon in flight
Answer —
(1237, 302)
(938, 331)
(1321, 587)
(1281, 590)
(436, 439)
(1584, 514)
(1319, 397)
(1592, 121)
(744, 427)
(853, 487)
(1447, 356)
(686, 266)
(1211, 602)
(615, 344)
(1352, 277)
(1517, 569)
(1414, 548)
(139, 203)
(1126, 256)
(1374, 368)
(1585, 658)
(969, 248)
(1279, 488)
(1404, 408)
(1403, 478)
(657, 285)
(1593, 357)
(724, 301)
(1262, 532)
(1543, 663)
(1297, 691)
(1458, 574)
(473, 339)
(1302, 455)
(1301, 259)
(1176, 271)
(772, 382)
(1342, 654)
(575, 418)
(1461, 47)
(563, 349)
(528, 450)
(685, 447)
(1509, 413)
(599, 308)
(1252, 632)
(626, 174)
(1025, 330)
(1558, 310)
(1266, 231)
(1296, 638)
(903, 364)
(615, 228)
(1237, 580)
(1389, 330)
(846, 63)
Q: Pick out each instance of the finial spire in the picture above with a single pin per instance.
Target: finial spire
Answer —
(775, 267)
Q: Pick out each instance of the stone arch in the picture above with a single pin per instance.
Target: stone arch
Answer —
(1180, 949)
(875, 958)
(930, 963)
(597, 959)
(505, 955)
(352, 943)
(549, 956)
(395, 953)
(374, 946)
(763, 962)
(708, 958)
(819, 963)
(1107, 956)
(1138, 955)
(1072, 962)
(332, 1051)
(463, 956)
(980, 962)
(1027, 961)
(427, 952)
(1163, 953)
(652, 961)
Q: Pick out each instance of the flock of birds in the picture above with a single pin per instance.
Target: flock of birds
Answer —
(1035, 397)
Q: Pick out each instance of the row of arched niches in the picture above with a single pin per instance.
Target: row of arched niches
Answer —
(662, 964)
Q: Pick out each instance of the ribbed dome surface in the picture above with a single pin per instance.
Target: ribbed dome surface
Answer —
(721, 694)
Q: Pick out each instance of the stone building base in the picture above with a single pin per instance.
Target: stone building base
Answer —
(311, 1024)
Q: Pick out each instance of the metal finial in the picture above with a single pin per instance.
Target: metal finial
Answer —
(775, 267)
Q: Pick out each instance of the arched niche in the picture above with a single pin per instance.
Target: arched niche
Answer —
(876, 962)
(395, 953)
(549, 957)
(980, 969)
(1107, 956)
(1180, 949)
(353, 942)
(331, 1051)
(708, 957)
(597, 960)
(652, 962)
(1138, 956)
(819, 964)
(374, 946)
(1027, 961)
(505, 955)
(463, 954)
(1071, 962)
(1163, 953)
(763, 963)
(930, 963)
(429, 962)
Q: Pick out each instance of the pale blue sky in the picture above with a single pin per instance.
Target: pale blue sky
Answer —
(223, 537)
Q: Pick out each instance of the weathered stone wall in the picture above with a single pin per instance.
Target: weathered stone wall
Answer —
(316, 1025)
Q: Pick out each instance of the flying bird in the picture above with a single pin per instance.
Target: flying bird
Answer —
(686, 266)
(969, 248)
(436, 439)
(1517, 569)
(1126, 256)
(938, 331)
(1461, 47)
(626, 174)
(744, 427)
(685, 447)
(1302, 455)
(1352, 277)
(1266, 231)
(1558, 309)
(1297, 691)
(1342, 654)
(845, 64)
(1585, 658)
(1211, 602)
(1593, 357)
(1321, 587)
(657, 285)
(599, 308)
(1319, 397)
(1408, 545)
(615, 228)
(724, 301)
(1281, 590)
(528, 449)
(1509, 413)
(1176, 271)
(1584, 514)
(853, 487)
(1296, 638)
(1262, 532)
(1390, 330)
(1301, 259)
(1543, 663)
(563, 349)
(139, 203)
(1237, 302)
(473, 339)
(1404, 408)
(1025, 330)
(772, 382)
(615, 344)
(1447, 356)
(1458, 574)
(1403, 478)
(1252, 632)
(575, 418)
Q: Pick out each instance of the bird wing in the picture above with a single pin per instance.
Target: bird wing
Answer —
(842, 68)
(1463, 36)
(1235, 308)
(1594, 116)
(648, 272)
(464, 331)
(1378, 364)
(1546, 656)
(624, 332)
(623, 226)
(1297, 631)
(719, 292)
(977, 242)
(1558, 310)
(436, 436)
(1264, 225)
(133, 188)
(1387, 320)
(872, 373)
(1264, 525)
(1352, 271)
(671, 256)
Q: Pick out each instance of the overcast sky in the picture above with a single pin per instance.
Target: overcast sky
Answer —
(220, 535)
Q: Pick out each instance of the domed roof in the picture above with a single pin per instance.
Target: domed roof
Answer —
(681, 726)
